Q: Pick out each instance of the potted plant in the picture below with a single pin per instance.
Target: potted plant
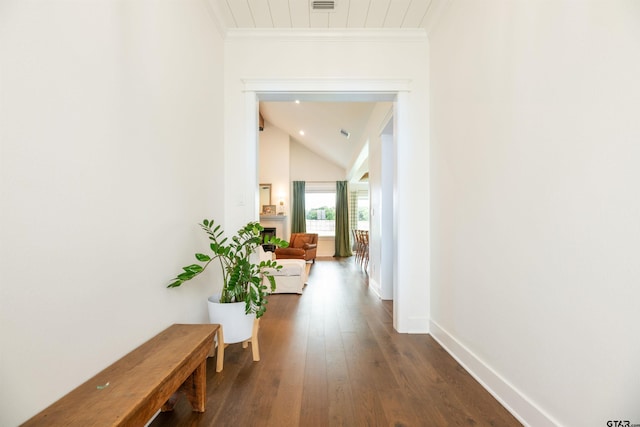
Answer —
(243, 291)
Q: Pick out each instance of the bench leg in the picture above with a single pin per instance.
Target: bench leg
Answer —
(169, 404)
(194, 387)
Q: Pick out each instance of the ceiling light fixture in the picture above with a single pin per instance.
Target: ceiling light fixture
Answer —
(301, 132)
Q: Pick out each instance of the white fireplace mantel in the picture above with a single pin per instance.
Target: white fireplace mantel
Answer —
(279, 222)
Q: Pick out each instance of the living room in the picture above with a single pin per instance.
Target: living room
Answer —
(298, 153)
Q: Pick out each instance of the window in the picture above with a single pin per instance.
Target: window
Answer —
(363, 210)
(320, 209)
(359, 209)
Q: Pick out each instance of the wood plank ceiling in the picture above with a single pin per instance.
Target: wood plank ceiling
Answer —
(301, 14)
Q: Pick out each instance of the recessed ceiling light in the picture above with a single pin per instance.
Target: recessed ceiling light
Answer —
(297, 101)
(301, 132)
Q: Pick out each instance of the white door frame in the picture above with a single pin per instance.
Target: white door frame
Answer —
(371, 90)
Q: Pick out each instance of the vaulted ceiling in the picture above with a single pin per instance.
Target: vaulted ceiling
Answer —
(335, 14)
(333, 130)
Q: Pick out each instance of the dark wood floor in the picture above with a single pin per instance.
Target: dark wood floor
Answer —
(330, 357)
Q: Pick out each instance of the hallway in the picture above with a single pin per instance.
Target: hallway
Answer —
(330, 357)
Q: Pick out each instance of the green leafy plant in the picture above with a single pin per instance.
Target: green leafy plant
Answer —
(242, 278)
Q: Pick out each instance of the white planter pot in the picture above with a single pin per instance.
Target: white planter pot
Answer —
(236, 325)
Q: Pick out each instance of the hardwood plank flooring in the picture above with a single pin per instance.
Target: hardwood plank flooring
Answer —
(330, 357)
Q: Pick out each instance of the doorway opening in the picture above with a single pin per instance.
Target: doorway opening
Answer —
(382, 242)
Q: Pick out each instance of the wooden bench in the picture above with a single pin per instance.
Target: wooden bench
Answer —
(130, 391)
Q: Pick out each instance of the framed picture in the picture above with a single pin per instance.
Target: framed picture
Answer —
(268, 209)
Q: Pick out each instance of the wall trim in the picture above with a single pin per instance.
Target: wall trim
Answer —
(417, 325)
(521, 407)
(375, 287)
(334, 89)
(360, 35)
(254, 89)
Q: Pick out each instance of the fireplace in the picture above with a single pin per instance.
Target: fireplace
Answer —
(270, 232)
(279, 222)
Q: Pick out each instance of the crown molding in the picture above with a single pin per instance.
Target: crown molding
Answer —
(413, 35)
(329, 89)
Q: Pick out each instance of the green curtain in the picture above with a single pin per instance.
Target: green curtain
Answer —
(298, 220)
(343, 247)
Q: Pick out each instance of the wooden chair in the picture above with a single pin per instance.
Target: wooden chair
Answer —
(365, 248)
(362, 247)
(358, 245)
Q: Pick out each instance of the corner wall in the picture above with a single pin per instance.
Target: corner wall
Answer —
(111, 122)
(381, 163)
(535, 211)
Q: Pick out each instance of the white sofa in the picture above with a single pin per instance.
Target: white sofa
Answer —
(290, 279)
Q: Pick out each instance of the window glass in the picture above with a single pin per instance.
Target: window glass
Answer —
(320, 213)
(363, 212)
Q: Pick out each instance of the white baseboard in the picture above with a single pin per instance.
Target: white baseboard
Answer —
(375, 287)
(412, 325)
(513, 400)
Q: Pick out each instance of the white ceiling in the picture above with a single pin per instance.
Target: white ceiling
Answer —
(299, 14)
(321, 123)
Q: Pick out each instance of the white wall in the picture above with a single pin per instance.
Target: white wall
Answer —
(306, 165)
(378, 241)
(310, 57)
(109, 126)
(535, 210)
(385, 215)
(273, 166)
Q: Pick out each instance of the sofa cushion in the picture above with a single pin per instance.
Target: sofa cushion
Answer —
(303, 239)
(265, 256)
(290, 267)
